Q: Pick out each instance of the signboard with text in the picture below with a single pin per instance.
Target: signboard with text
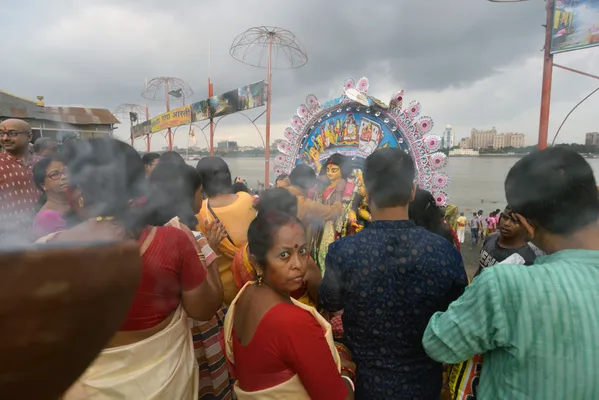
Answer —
(241, 99)
(575, 25)
(176, 117)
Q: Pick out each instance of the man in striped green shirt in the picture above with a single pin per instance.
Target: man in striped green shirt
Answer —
(537, 326)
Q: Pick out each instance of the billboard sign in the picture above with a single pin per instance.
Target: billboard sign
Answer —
(176, 117)
(241, 99)
(575, 25)
(224, 104)
(252, 96)
(145, 128)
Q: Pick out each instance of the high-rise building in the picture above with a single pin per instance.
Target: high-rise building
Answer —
(227, 145)
(482, 139)
(465, 143)
(448, 138)
(591, 139)
(517, 140)
(509, 139)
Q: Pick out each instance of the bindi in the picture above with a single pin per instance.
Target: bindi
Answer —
(296, 246)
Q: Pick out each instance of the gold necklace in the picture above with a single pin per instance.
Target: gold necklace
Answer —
(100, 219)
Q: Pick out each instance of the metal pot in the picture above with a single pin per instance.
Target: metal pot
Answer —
(59, 306)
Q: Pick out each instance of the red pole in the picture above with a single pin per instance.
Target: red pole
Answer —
(168, 108)
(131, 130)
(210, 94)
(547, 79)
(268, 96)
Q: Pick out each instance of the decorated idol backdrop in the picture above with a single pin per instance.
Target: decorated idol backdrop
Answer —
(355, 125)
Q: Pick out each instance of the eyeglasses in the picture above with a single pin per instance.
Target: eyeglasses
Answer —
(56, 175)
(13, 133)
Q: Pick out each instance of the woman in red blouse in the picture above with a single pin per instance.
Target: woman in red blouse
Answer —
(278, 347)
(151, 356)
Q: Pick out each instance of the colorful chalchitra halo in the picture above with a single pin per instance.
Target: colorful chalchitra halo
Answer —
(355, 124)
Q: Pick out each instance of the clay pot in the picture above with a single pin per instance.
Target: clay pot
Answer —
(59, 306)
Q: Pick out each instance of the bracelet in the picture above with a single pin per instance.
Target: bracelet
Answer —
(351, 383)
(352, 374)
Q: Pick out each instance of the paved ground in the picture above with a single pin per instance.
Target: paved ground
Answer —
(470, 254)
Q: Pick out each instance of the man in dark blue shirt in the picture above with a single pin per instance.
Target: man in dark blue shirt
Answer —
(390, 278)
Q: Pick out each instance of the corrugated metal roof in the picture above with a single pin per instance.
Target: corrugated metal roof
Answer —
(18, 97)
(79, 115)
(12, 106)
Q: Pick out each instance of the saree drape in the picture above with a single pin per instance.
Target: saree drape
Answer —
(291, 389)
(160, 367)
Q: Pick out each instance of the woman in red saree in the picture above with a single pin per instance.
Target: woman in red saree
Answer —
(151, 356)
(244, 268)
(279, 348)
(175, 197)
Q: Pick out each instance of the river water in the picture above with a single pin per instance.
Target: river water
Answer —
(476, 182)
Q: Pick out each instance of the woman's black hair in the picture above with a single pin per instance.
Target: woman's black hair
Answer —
(281, 177)
(172, 194)
(263, 231)
(277, 199)
(423, 210)
(240, 187)
(171, 157)
(216, 176)
(111, 177)
(343, 162)
(303, 176)
(40, 170)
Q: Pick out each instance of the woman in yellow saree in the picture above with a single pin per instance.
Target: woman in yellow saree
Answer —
(279, 348)
(244, 270)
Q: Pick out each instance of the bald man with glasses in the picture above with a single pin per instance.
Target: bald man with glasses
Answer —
(18, 194)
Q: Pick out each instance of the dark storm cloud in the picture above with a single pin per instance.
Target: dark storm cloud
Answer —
(423, 45)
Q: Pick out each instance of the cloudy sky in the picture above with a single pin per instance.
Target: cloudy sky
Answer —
(471, 63)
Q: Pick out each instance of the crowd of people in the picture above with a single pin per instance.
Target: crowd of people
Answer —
(332, 285)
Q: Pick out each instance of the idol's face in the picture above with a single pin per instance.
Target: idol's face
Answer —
(334, 173)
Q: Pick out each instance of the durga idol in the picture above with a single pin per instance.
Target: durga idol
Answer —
(342, 186)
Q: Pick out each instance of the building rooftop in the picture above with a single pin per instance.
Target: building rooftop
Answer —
(12, 106)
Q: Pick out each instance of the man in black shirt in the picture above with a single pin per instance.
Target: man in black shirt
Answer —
(510, 240)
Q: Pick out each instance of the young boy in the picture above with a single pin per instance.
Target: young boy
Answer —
(509, 241)
(474, 228)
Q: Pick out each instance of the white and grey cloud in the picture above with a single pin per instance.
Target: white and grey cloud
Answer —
(471, 63)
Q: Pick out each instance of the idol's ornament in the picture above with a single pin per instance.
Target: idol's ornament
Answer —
(355, 125)
(335, 138)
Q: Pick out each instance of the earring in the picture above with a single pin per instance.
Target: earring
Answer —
(259, 280)
(80, 202)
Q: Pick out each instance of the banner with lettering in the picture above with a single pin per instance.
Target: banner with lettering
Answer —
(145, 128)
(176, 117)
(241, 99)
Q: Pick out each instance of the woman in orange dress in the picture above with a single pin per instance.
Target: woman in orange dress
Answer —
(234, 211)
